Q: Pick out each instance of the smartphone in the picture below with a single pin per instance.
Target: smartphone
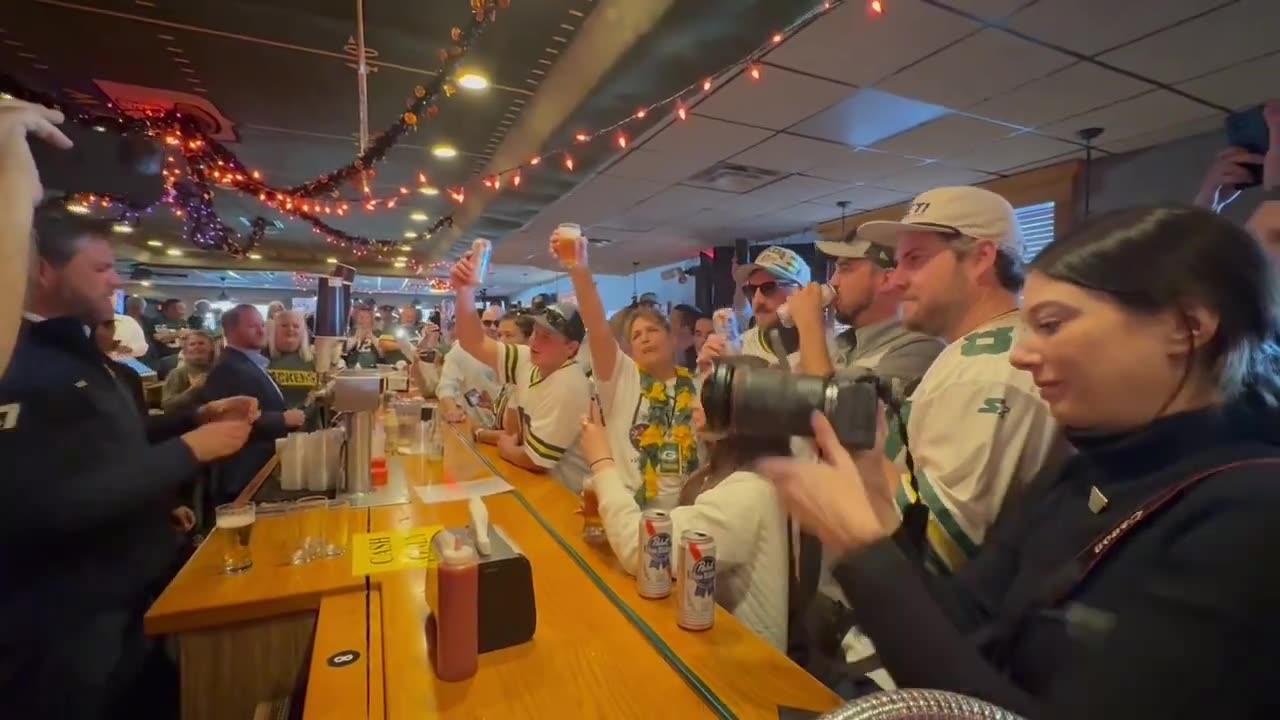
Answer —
(473, 397)
(1247, 129)
(102, 163)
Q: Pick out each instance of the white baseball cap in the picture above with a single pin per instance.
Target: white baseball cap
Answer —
(969, 211)
(780, 262)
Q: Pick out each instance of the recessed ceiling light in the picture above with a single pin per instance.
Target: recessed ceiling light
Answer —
(331, 260)
(444, 151)
(155, 243)
(122, 228)
(429, 190)
(99, 128)
(255, 256)
(473, 81)
(175, 252)
(418, 216)
(410, 234)
(400, 263)
(78, 208)
(145, 283)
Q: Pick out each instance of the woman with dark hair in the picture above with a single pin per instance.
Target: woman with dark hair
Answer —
(1123, 584)
(724, 498)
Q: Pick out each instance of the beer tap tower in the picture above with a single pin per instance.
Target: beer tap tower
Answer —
(355, 396)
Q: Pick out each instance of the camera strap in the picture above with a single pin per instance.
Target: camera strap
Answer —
(1059, 585)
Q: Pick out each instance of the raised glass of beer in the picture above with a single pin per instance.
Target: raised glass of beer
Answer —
(234, 531)
(568, 238)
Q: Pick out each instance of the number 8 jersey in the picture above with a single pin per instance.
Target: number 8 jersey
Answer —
(978, 433)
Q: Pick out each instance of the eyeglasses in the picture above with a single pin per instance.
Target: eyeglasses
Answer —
(768, 288)
(554, 319)
(489, 323)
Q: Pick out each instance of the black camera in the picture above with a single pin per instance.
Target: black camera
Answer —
(744, 400)
(102, 163)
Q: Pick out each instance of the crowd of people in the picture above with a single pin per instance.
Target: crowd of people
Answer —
(1066, 511)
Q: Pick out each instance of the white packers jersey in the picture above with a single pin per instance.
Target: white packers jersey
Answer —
(978, 433)
(550, 408)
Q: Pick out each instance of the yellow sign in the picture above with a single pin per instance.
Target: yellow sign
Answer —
(387, 551)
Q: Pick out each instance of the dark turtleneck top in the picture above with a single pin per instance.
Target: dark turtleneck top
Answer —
(1180, 618)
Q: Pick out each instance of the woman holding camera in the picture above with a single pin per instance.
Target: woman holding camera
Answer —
(1125, 584)
(648, 400)
(724, 498)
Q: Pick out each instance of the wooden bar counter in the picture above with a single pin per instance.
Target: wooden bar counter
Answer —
(358, 643)
(748, 675)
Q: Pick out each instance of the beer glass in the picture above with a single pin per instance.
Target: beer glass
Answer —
(234, 530)
(336, 527)
(310, 513)
(568, 238)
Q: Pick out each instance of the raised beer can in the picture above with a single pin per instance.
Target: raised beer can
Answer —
(724, 322)
(653, 577)
(481, 252)
(784, 311)
(696, 581)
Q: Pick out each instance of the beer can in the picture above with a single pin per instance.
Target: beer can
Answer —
(724, 322)
(653, 577)
(696, 581)
(481, 252)
(784, 311)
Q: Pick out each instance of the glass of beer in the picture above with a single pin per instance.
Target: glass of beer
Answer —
(311, 513)
(336, 528)
(234, 532)
(568, 237)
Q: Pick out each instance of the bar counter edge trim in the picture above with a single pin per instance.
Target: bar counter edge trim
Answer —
(686, 673)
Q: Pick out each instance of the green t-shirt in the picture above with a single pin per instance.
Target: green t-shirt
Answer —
(295, 376)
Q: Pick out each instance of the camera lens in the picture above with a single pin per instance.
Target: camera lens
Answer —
(761, 401)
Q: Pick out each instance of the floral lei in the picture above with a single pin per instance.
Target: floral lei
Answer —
(656, 435)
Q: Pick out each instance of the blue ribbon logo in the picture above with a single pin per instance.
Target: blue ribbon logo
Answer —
(704, 577)
(660, 551)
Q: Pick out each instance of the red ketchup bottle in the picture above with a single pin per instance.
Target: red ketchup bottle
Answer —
(457, 629)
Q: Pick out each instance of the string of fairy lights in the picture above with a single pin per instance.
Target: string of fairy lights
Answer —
(207, 164)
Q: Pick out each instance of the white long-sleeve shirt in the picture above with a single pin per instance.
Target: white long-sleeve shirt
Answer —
(742, 514)
(462, 372)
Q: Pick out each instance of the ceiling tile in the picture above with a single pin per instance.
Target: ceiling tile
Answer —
(809, 212)
(598, 198)
(867, 117)
(1091, 26)
(944, 137)
(677, 202)
(1153, 111)
(1075, 89)
(858, 166)
(1237, 32)
(783, 193)
(1012, 152)
(1169, 134)
(659, 166)
(1238, 86)
(927, 177)
(909, 31)
(988, 9)
(979, 67)
(706, 138)
(781, 99)
(788, 153)
(1073, 155)
(867, 197)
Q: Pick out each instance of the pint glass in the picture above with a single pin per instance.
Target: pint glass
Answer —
(234, 532)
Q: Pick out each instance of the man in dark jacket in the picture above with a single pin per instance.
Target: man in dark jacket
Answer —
(242, 370)
(86, 493)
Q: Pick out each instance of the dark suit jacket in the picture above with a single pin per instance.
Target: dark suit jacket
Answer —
(235, 374)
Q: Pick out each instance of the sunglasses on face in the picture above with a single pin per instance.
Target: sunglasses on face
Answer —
(768, 288)
(489, 323)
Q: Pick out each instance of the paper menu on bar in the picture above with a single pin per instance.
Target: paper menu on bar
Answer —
(453, 492)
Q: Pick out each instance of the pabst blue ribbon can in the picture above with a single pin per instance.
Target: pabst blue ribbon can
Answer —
(653, 577)
(696, 581)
